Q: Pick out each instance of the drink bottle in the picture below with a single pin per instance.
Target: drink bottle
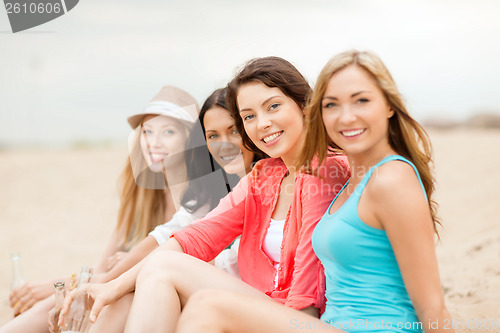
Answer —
(60, 293)
(78, 317)
(18, 278)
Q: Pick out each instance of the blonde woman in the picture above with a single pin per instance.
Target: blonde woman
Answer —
(151, 186)
(216, 160)
(376, 239)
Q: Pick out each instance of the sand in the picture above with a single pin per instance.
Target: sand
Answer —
(58, 207)
(468, 192)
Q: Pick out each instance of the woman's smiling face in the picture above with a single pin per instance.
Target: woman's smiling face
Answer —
(224, 142)
(355, 112)
(272, 120)
(163, 142)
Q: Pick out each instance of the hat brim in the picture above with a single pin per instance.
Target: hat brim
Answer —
(182, 114)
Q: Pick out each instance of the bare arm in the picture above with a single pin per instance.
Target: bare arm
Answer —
(139, 252)
(125, 283)
(160, 235)
(111, 249)
(398, 203)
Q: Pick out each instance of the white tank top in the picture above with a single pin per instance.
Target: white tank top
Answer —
(272, 244)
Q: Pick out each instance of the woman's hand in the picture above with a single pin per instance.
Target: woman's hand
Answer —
(99, 295)
(50, 321)
(115, 259)
(23, 297)
(98, 278)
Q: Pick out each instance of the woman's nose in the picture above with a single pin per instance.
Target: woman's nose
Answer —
(227, 146)
(155, 140)
(346, 115)
(264, 121)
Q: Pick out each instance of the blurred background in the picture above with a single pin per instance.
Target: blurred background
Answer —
(66, 88)
(74, 79)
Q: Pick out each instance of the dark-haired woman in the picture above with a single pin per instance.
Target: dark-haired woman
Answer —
(146, 200)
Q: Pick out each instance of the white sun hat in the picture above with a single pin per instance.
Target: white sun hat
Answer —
(172, 102)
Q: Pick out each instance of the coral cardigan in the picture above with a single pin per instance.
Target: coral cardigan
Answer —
(247, 211)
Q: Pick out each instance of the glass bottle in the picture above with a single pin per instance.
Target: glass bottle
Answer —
(78, 317)
(18, 278)
(60, 293)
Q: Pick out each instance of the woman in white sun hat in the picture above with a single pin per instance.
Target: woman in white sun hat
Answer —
(211, 177)
(151, 186)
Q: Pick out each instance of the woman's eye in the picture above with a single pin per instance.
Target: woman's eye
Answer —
(212, 136)
(147, 132)
(235, 131)
(329, 105)
(362, 100)
(248, 117)
(274, 106)
(169, 132)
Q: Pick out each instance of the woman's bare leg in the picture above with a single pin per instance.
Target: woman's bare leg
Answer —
(34, 320)
(211, 311)
(165, 283)
(113, 317)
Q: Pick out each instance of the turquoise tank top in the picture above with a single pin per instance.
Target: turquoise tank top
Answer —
(364, 288)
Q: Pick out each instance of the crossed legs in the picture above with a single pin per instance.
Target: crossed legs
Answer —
(179, 293)
(166, 282)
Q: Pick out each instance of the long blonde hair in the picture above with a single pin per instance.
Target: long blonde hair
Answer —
(142, 196)
(406, 136)
(141, 209)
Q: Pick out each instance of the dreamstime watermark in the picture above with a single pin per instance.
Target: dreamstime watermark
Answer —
(26, 14)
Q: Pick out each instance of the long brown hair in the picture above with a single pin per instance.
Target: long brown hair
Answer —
(406, 136)
(273, 72)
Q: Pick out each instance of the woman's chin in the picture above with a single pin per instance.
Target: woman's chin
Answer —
(156, 167)
(234, 168)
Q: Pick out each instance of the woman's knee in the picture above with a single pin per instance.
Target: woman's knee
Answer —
(160, 266)
(114, 316)
(204, 311)
(209, 299)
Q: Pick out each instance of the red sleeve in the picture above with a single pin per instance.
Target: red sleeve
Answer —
(316, 193)
(207, 237)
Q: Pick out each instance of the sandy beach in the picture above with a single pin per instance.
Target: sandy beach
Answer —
(59, 206)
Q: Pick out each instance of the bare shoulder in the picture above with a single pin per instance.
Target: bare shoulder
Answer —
(395, 180)
(397, 199)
